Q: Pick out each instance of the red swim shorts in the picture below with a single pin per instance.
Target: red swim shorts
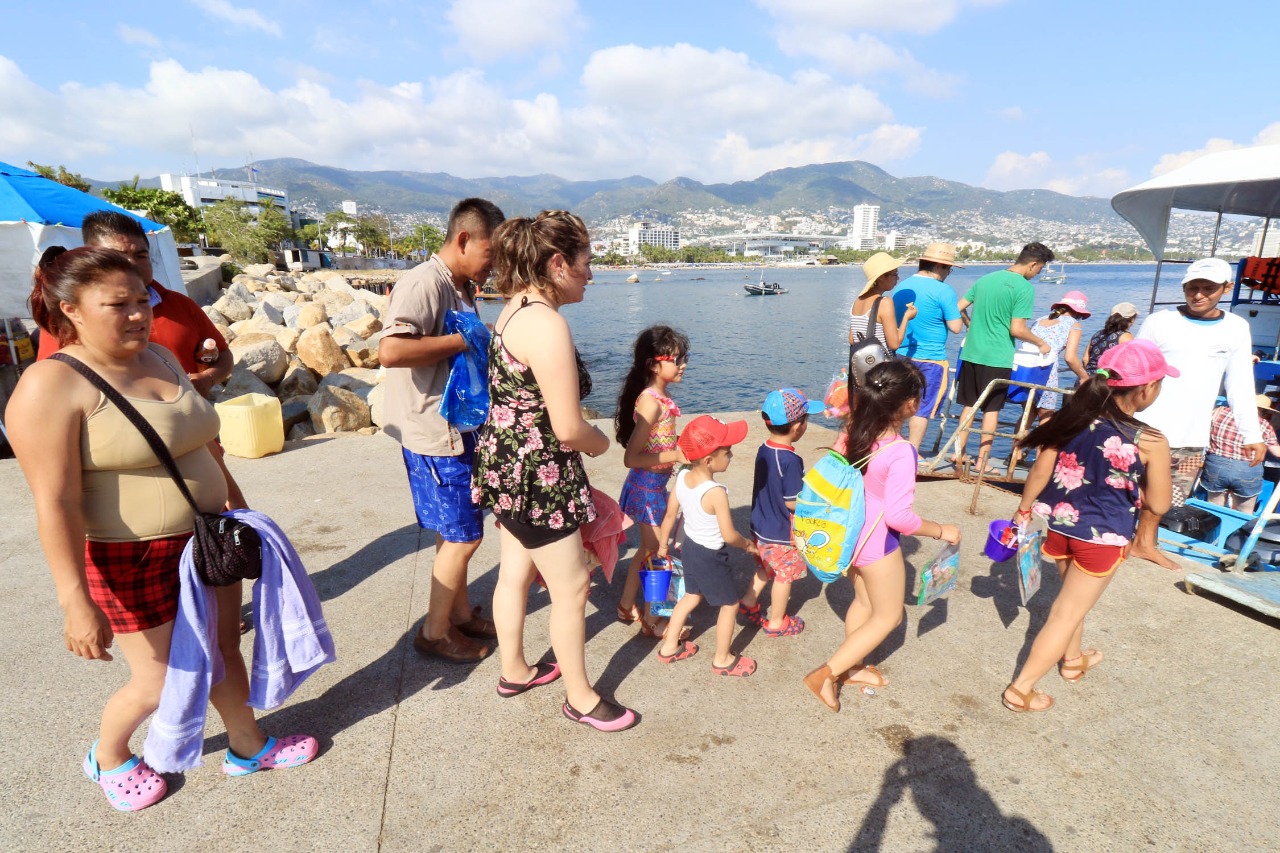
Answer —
(135, 583)
(1092, 558)
(783, 563)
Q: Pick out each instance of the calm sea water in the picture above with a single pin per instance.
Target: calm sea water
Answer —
(743, 346)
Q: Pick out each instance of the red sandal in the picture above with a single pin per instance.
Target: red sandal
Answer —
(686, 651)
(741, 667)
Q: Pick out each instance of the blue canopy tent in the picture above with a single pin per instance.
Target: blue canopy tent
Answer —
(36, 213)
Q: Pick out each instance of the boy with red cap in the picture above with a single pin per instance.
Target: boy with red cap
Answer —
(708, 533)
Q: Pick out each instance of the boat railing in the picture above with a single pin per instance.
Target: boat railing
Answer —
(1015, 432)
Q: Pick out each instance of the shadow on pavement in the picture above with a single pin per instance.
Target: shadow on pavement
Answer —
(947, 794)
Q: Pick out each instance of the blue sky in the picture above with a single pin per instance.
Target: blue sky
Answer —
(1085, 97)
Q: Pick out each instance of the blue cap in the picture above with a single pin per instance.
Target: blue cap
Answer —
(788, 406)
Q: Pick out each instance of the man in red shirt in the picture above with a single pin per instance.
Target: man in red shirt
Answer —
(177, 322)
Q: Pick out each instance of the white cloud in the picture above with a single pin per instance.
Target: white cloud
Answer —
(239, 15)
(136, 35)
(660, 112)
(1083, 175)
(863, 55)
(1011, 113)
(489, 29)
(1269, 135)
(913, 16)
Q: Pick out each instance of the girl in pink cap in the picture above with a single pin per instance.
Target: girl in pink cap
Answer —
(1096, 459)
(1061, 331)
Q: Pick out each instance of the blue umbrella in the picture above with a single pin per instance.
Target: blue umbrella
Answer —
(28, 197)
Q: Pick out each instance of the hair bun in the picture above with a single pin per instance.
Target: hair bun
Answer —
(52, 254)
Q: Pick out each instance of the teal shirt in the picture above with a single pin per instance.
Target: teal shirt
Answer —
(998, 298)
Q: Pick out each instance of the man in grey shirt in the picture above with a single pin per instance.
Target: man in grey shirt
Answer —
(438, 458)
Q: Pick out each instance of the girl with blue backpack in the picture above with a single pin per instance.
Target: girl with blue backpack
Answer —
(873, 441)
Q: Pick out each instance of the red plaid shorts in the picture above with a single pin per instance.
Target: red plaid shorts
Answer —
(783, 563)
(135, 583)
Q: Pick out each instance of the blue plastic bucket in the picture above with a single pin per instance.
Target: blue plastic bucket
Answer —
(657, 580)
(995, 549)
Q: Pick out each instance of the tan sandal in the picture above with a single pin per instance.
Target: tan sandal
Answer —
(1082, 667)
(819, 678)
(1025, 700)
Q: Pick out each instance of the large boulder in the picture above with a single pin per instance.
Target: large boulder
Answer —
(240, 290)
(225, 331)
(365, 326)
(358, 380)
(363, 354)
(332, 300)
(254, 324)
(335, 409)
(241, 382)
(304, 315)
(233, 307)
(215, 316)
(320, 352)
(298, 432)
(294, 411)
(349, 313)
(298, 381)
(288, 338)
(262, 356)
(344, 337)
(269, 313)
(376, 410)
(260, 270)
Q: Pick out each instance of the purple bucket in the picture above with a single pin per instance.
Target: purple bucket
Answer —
(995, 549)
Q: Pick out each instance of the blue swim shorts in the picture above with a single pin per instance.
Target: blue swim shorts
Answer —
(935, 386)
(441, 489)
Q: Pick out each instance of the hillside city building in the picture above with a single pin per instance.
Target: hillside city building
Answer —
(866, 219)
(648, 234)
(201, 192)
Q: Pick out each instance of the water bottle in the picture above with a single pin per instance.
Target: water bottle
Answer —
(208, 352)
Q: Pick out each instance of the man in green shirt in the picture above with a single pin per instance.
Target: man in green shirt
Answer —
(1003, 304)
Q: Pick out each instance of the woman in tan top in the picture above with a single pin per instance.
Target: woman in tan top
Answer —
(112, 522)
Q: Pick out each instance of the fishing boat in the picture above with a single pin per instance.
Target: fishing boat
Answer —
(1242, 182)
(1054, 276)
(763, 288)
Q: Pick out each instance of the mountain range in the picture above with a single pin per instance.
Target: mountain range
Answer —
(803, 188)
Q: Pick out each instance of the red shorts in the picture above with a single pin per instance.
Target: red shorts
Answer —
(783, 563)
(1092, 558)
(135, 583)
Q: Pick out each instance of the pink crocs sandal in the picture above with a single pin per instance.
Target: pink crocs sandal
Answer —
(131, 786)
(288, 751)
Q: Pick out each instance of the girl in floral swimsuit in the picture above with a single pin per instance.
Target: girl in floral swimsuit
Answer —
(528, 464)
(646, 427)
(1097, 464)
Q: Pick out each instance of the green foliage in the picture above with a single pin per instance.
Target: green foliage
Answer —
(229, 271)
(167, 208)
(335, 227)
(371, 235)
(246, 237)
(423, 238)
(61, 175)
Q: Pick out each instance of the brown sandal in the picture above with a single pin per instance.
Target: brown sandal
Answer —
(1025, 700)
(1082, 666)
(818, 679)
(628, 617)
(847, 677)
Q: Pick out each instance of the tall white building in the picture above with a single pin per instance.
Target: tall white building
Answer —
(201, 192)
(646, 233)
(866, 218)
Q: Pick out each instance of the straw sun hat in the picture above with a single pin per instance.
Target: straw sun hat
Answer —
(876, 266)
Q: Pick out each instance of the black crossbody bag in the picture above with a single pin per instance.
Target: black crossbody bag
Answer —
(225, 550)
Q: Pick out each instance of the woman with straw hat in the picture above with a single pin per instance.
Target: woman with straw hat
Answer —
(881, 271)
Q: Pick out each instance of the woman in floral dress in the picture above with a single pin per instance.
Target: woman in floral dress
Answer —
(1097, 464)
(528, 467)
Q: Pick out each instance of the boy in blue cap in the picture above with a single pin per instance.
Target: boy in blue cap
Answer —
(778, 477)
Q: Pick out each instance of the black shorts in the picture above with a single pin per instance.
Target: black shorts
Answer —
(707, 573)
(534, 536)
(973, 379)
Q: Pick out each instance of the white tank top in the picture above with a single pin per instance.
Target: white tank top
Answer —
(699, 525)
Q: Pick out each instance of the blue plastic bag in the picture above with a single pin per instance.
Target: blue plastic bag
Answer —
(465, 403)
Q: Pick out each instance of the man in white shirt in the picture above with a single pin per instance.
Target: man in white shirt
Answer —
(1205, 343)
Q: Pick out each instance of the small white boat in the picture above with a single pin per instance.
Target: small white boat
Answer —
(763, 288)
(1054, 276)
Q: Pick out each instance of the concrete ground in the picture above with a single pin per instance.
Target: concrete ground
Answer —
(1169, 745)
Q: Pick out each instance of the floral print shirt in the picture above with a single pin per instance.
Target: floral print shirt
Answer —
(521, 470)
(1093, 495)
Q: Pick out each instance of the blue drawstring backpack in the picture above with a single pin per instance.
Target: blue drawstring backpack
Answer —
(830, 515)
(465, 403)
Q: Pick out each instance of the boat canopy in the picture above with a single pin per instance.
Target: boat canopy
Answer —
(1244, 181)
